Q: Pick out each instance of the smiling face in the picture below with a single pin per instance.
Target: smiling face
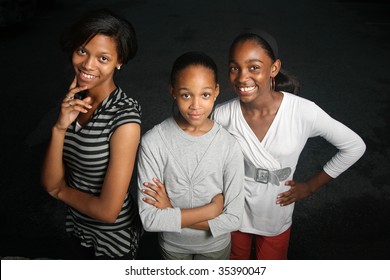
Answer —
(195, 91)
(251, 70)
(95, 62)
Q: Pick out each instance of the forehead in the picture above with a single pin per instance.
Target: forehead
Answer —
(248, 50)
(103, 43)
(196, 70)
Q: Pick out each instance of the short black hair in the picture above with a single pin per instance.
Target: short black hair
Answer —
(193, 58)
(104, 22)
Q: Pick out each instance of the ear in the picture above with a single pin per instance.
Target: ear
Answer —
(275, 68)
(170, 89)
(216, 91)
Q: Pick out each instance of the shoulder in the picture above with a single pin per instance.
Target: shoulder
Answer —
(124, 107)
(298, 104)
(120, 101)
(227, 105)
(226, 138)
(226, 110)
(152, 136)
(227, 145)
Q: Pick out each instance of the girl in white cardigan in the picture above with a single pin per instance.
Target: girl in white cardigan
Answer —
(272, 126)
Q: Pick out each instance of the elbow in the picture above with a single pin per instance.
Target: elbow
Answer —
(148, 224)
(360, 148)
(51, 185)
(108, 217)
(364, 147)
(108, 220)
(153, 220)
(236, 220)
(46, 184)
(236, 224)
(148, 227)
(52, 188)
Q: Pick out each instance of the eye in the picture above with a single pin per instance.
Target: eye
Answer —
(233, 69)
(81, 51)
(185, 95)
(206, 95)
(254, 67)
(104, 59)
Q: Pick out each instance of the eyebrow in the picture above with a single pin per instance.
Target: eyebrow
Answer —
(249, 61)
(102, 53)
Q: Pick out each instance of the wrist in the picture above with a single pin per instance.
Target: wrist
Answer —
(57, 129)
(214, 210)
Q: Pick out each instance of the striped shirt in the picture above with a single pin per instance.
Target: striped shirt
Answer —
(86, 155)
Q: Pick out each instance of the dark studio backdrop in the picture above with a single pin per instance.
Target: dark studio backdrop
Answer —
(339, 50)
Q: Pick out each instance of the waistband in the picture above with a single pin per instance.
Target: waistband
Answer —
(265, 176)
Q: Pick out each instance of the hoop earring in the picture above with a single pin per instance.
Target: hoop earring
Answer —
(273, 84)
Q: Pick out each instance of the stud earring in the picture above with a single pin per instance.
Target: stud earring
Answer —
(118, 67)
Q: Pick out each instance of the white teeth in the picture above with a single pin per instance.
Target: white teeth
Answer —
(87, 76)
(246, 88)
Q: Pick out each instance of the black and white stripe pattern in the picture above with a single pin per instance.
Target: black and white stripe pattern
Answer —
(86, 155)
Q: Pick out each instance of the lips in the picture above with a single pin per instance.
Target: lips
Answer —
(195, 116)
(86, 77)
(246, 90)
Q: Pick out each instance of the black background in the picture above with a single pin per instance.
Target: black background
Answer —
(339, 50)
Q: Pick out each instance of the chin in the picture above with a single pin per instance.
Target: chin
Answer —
(245, 97)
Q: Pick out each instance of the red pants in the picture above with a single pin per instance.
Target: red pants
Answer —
(266, 247)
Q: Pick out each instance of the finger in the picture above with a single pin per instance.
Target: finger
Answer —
(286, 202)
(284, 194)
(288, 197)
(71, 93)
(160, 185)
(75, 104)
(73, 88)
(67, 103)
(150, 201)
(151, 186)
(150, 193)
(74, 83)
(290, 183)
(158, 182)
(282, 198)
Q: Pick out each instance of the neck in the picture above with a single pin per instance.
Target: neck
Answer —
(263, 105)
(98, 94)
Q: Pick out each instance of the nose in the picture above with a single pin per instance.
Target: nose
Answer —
(88, 63)
(242, 75)
(195, 104)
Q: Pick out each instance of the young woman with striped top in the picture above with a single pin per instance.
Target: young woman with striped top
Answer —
(93, 145)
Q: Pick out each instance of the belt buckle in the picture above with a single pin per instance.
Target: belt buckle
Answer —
(262, 175)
